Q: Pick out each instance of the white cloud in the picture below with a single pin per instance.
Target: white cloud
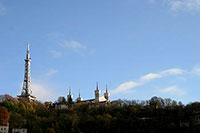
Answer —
(168, 72)
(42, 89)
(62, 44)
(2, 9)
(150, 76)
(125, 87)
(56, 53)
(74, 45)
(174, 5)
(43, 92)
(190, 5)
(195, 71)
(180, 5)
(172, 90)
(173, 71)
(128, 86)
(51, 72)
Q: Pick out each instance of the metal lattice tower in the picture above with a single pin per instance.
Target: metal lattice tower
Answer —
(26, 88)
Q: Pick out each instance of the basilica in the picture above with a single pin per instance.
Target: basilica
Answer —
(98, 98)
(27, 92)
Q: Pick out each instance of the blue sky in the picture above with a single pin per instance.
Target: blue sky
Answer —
(140, 48)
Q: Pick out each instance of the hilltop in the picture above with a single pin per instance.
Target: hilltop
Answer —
(154, 115)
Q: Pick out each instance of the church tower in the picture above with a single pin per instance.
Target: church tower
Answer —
(70, 96)
(97, 93)
(26, 89)
(107, 94)
(79, 98)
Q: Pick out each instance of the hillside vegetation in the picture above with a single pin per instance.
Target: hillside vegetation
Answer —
(156, 115)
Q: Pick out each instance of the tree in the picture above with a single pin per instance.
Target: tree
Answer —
(4, 116)
(61, 100)
(156, 102)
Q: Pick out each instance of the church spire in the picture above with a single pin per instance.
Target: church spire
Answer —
(106, 88)
(97, 86)
(97, 93)
(26, 89)
(107, 94)
(79, 99)
(69, 96)
(79, 94)
(70, 91)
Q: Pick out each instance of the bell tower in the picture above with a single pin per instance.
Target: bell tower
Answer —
(69, 96)
(97, 93)
(79, 98)
(107, 94)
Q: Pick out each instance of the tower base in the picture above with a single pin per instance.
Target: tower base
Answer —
(29, 98)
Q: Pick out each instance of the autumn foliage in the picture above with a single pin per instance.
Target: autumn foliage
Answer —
(4, 116)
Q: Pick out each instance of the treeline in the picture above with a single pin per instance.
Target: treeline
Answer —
(156, 115)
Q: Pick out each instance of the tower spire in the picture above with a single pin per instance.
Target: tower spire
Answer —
(69, 90)
(26, 89)
(97, 86)
(106, 88)
(79, 99)
(27, 46)
(70, 96)
(27, 53)
(107, 94)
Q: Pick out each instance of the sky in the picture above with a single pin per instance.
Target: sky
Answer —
(139, 48)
